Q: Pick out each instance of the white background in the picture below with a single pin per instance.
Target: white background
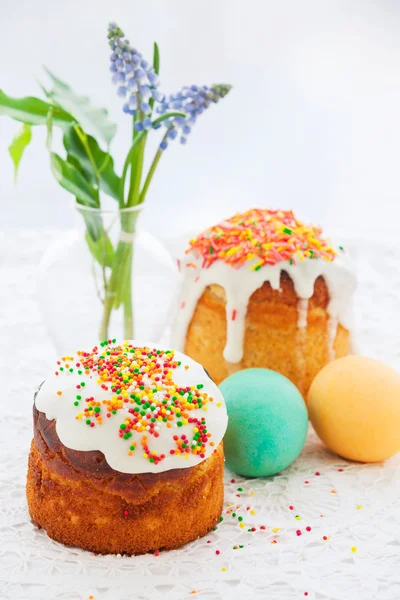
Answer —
(313, 120)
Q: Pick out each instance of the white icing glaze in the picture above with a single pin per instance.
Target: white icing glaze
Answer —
(302, 310)
(240, 284)
(75, 434)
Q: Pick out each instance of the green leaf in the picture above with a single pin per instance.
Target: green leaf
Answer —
(167, 116)
(101, 249)
(109, 180)
(156, 58)
(93, 119)
(18, 145)
(33, 111)
(69, 177)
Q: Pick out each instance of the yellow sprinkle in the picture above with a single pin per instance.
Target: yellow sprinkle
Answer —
(241, 525)
(298, 518)
(359, 506)
(223, 569)
(252, 512)
(354, 549)
(229, 504)
(299, 254)
(259, 264)
(275, 530)
(252, 493)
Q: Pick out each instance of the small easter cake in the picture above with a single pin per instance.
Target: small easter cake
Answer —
(127, 455)
(262, 289)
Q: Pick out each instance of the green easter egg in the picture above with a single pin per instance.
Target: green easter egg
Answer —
(267, 425)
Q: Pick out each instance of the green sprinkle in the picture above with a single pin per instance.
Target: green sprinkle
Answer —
(240, 489)
(179, 424)
(71, 370)
(76, 403)
(88, 421)
(199, 386)
(221, 518)
(97, 409)
(287, 230)
(83, 384)
(240, 518)
(123, 426)
(79, 397)
(79, 372)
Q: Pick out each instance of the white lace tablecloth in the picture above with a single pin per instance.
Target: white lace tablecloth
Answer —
(348, 514)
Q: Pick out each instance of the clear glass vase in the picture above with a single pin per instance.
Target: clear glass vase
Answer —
(104, 279)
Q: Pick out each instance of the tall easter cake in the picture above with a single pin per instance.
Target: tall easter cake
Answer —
(262, 289)
(127, 454)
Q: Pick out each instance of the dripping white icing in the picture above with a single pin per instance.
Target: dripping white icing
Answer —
(302, 310)
(240, 284)
(331, 331)
(77, 435)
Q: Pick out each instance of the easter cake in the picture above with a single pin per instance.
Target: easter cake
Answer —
(262, 289)
(127, 455)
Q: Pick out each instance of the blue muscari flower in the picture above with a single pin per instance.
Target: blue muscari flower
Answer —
(192, 101)
(164, 145)
(136, 74)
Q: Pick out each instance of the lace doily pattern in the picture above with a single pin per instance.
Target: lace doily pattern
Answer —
(324, 529)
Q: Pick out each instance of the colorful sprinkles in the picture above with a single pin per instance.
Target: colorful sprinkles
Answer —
(141, 382)
(264, 237)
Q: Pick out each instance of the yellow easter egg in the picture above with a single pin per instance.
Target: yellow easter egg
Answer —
(354, 406)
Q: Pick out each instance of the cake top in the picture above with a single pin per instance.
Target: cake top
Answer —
(147, 409)
(264, 237)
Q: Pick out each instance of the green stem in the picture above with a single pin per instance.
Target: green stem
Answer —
(128, 304)
(150, 174)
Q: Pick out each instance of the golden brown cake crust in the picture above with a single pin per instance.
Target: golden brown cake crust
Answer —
(272, 338)
(81, 501)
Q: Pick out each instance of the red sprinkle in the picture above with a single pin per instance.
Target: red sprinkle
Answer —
(308, 528)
